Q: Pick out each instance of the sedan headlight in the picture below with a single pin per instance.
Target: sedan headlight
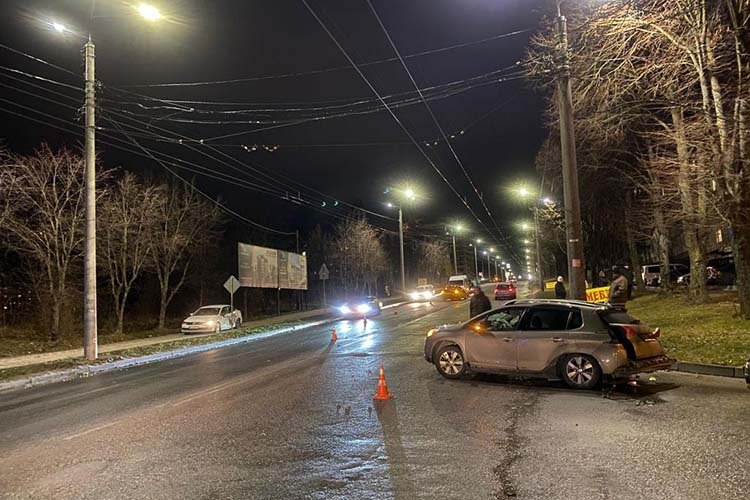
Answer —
(414, 295)
(344, 310)
(363, 308)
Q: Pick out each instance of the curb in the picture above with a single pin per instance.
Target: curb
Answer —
(90, 370)
(706, 369)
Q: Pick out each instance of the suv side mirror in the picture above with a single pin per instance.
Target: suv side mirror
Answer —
(478, 326)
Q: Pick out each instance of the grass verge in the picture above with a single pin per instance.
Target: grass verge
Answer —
(699, 333)
(187, 341)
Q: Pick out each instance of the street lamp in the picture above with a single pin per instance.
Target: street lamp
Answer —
(90, 330)
(476, 262)
(406, 194)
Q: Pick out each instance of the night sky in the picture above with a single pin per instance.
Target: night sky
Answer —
(226, 39)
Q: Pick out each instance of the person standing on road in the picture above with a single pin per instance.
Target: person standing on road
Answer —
(560, 292)
(618, 289)
(479, 303)
(629, 276)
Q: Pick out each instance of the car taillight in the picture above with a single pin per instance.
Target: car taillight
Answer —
(630, 333)
(656, 333)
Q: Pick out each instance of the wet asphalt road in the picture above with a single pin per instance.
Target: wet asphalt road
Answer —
(292, 416)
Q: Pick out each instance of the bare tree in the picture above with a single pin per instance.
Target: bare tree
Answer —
(434, 260)
(44, 222)
(358, 255)
(127, 223)
(183, 219)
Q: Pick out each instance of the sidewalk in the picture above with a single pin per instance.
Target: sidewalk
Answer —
(33, 359)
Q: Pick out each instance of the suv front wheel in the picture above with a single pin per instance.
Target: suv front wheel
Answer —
(580, 371)
(450, 362)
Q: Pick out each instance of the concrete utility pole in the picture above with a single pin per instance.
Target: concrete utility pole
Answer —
(540, 275)
(90, 345)
(476, 262)
(576, 263)
(401, 243)
(455, 260)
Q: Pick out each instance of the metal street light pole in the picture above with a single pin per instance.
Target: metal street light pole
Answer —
(576, 264)
(90, 344)
(540, 276)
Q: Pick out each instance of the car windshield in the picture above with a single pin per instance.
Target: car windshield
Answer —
(208, 311)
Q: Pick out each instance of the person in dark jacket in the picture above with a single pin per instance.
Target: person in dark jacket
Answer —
(560, 292)
(479, 303)
(618, 289)
(629, 276)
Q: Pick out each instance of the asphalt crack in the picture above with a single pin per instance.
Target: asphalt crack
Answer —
(511, 445)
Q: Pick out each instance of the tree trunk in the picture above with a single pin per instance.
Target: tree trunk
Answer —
(54, 334)
(662, 238)
(697, 291)
(741, 250)
(163, 307)
(634, 257)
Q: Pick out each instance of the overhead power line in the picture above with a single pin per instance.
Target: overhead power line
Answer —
(440, 128)
(396, 118)
(328, 70)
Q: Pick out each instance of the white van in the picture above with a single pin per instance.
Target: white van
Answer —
(460, 280)
(651, 273)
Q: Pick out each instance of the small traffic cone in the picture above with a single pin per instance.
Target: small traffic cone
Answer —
(334, 338)
(382, 387)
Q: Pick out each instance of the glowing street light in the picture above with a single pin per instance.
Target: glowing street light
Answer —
(409, 195)
(59, 27)
(149, 12)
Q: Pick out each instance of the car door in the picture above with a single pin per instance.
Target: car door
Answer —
(544, 335)
(492, 341)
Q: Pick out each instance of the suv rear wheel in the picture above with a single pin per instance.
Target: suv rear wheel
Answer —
(580, 371)
(450, 362)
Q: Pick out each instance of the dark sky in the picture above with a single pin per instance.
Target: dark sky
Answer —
(231, 39)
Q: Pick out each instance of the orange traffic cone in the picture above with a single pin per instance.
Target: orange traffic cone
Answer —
(382, 387)
(334, 338)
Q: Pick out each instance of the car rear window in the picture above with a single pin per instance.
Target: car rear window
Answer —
(503, 287)
(619, 317)
(548, 319)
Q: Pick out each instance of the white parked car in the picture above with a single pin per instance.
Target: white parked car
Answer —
(212, 319)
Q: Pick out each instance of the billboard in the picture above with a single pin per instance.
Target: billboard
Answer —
(292, 271)
(258, 266)
(261, 267)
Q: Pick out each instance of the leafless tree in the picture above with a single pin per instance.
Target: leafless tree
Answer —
(182, 220)
(434, 260)
(127, 223)
(358, 255)
(44, 221)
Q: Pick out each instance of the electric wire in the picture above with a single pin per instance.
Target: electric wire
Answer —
(440, 128)
(327, 70)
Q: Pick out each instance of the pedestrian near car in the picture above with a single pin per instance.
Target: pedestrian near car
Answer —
(479, 303)
(603, 278)
(618, 289)
(560, 292)
(629, 276)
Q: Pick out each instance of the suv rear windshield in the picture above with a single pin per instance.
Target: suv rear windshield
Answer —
(619, 317)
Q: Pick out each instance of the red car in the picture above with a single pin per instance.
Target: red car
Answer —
(505, 291)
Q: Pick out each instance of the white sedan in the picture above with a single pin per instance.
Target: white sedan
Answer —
(212, 319)
(422, 293)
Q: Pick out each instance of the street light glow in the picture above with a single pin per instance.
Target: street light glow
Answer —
(59, 27)
(409, 194)
(479, 240)
(149, 12)
(547, 201)
(523, 192)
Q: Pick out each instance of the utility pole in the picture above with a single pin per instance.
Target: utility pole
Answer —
(401, 242)
(576, 264)
(540, 276)
(476, 264)
(455, 260)
(90, 345)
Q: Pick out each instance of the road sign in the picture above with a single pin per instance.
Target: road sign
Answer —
(232, 284)
(323, 273)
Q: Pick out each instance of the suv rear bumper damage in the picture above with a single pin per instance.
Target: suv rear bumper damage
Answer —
(644, 366)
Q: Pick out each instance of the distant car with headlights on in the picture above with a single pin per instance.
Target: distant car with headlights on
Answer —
(422, 293)
(360, 307)
(454, 292)
(212, 319)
